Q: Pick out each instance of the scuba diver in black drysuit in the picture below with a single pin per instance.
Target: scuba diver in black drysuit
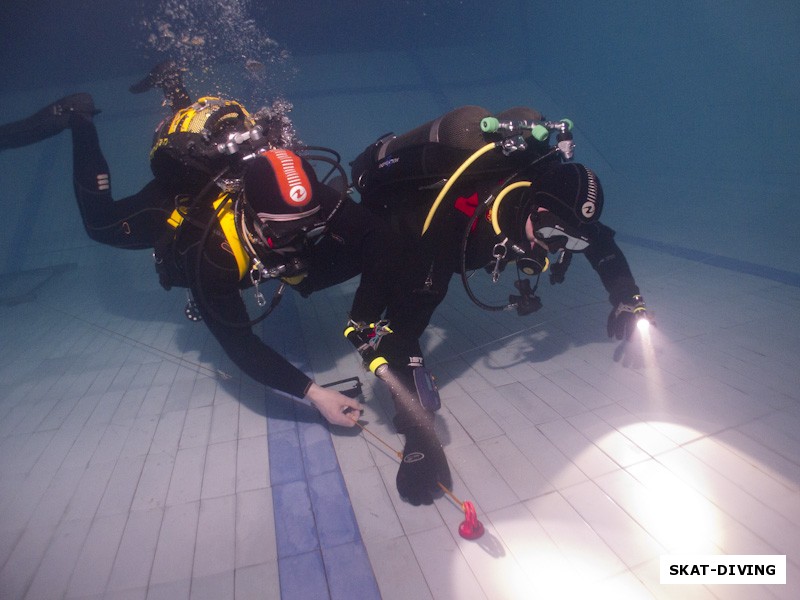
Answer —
(475, 191)
(231, 207)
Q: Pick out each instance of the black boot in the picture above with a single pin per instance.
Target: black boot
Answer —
(167, 76)
(49, 121)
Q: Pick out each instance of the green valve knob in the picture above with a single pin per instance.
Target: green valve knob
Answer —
(540, 132)
(489, 125)
(569, 123)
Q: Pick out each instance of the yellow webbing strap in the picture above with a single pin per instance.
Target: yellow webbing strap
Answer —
(228, 224)
(175, 219)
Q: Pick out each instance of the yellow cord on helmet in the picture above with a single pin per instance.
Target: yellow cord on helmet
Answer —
(205, 107)
(500, 196)
(475, 156)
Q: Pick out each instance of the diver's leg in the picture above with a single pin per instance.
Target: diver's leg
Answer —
(135, 222)
(47, 122)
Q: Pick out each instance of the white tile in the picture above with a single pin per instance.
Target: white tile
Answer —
(252, 423)
(781, 469)
(615, 527)
(744, 505)
(583, 548)
(557, 468)
(174, 554)
(676, 518)
(140, 437)
(168, 432)
(588, 457)
(617, 446)
(219, 586)
(219, 475)
(514, 534)
(257, 582)
(252, 464)
(748, 475)
(563, 403)
(642, 433)
(216, 538)
(154, 400)
(121, 486)
(472, 416)
(55, 570)
(187, 476)
(97, 557)
(90, 491)
(515, 468)
(446, 571)
(20, 568)
(55, 500)
(255, 529)
(484, 483)
(530, 405)
(372, 506)
(111, 443)
(136, 552)
(196, 427)
(153, 485)
(412, 518)
(224, 423)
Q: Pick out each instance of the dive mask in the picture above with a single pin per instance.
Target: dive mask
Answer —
(554, 233)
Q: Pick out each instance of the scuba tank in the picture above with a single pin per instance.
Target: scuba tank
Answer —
(427, 156)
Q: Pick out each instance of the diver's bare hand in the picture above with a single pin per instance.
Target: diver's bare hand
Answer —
(337, 408)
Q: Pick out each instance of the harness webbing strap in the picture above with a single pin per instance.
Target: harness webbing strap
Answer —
(228, 224)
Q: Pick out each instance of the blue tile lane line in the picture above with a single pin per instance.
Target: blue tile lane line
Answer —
(320, 551)
(715, 260)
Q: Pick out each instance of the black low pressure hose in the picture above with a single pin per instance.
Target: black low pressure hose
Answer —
(480, 210)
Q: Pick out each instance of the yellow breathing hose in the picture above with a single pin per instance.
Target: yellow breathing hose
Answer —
(500, 196)
(475, 156)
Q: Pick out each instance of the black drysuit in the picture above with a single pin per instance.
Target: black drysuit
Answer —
(356, 242)
(439, 250)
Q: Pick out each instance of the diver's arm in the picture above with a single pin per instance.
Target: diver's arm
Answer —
(380, 253)
(266, 366)
(220, 311)
(608, 260)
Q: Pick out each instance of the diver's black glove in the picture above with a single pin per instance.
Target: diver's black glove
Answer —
(623, 317)
(423, 466)
(558, 269)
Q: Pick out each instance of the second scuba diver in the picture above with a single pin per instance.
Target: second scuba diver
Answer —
(234, 203)
(474, 191)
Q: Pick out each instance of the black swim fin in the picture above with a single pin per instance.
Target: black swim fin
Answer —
(47, 122)
(168, 77)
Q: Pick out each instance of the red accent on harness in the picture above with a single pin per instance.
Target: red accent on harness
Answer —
(467, 205)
